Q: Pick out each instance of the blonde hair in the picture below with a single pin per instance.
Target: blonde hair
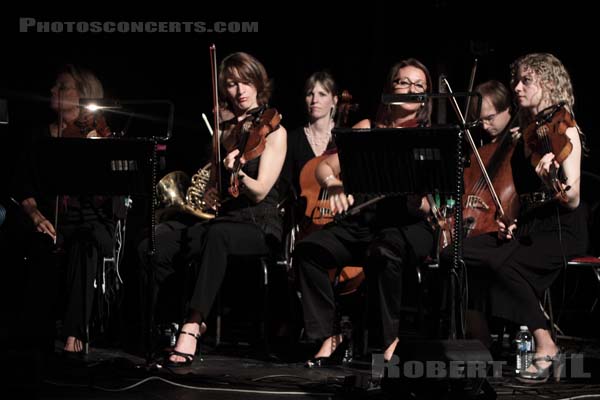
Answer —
(88, 85)
(554, 80)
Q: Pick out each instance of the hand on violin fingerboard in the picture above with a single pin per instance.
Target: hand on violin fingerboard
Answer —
(229, 160)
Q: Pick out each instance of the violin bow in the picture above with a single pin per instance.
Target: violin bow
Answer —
(469, 137)
(470, 88)
(216, 150)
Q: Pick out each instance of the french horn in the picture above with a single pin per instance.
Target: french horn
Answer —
(176, 189)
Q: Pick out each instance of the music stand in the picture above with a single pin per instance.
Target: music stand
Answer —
(98, 166)
(95, 166)
(400, 161)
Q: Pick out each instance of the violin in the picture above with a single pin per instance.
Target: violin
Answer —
(547, 134)
(249, 136)
(87, 125)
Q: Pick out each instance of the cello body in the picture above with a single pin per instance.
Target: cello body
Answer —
(479, 211)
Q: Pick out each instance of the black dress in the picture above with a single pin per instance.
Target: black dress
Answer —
(510, 276)
(298, 154)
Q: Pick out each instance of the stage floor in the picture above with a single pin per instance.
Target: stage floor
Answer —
(241, 373)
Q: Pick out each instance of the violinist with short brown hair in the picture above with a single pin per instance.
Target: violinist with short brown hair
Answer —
(522, 260)
(246, 225)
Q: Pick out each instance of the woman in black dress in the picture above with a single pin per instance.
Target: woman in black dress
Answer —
(523, 259)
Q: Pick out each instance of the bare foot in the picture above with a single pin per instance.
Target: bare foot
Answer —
(389, 352)
(73, 345)
(541, 353)
(329, 345)
(187, 343)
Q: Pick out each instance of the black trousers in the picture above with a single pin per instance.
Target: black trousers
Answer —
(382, 254)
(66, 271)
(211, 243)
(86, 245)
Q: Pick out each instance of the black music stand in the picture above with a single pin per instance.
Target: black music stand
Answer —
(400, 161)
(107, 166)
(100, 166)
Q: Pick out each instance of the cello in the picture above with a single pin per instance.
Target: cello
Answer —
(479, 217)
(484, 177)
(318, 210)
(317, 198)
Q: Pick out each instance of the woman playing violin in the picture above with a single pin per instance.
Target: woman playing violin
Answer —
(85, 224)
(523, 259)
(394, 227)
(246, 225)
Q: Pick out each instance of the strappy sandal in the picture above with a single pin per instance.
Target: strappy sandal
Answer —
(189, 358)
(541, 375)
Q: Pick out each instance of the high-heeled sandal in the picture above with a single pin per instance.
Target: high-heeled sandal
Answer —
(189, 358)
(541, 375)
(336, 358)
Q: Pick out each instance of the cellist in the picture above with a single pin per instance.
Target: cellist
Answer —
(495, 116)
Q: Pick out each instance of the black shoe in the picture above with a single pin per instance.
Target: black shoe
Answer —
(189, 358)
(335, 359)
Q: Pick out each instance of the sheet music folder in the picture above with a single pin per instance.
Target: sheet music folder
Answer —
(395, 161)
(96, 166)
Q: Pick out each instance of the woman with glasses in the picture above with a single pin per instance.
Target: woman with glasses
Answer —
(395, 222)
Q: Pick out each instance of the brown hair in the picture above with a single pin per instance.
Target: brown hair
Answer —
(424, 114)
(242, 67)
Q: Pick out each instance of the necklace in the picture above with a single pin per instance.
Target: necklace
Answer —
(318, 142)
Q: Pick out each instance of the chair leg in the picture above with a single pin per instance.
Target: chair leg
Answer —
(264, 324)
(548, 301)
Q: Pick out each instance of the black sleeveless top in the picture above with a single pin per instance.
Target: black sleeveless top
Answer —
(265, 214)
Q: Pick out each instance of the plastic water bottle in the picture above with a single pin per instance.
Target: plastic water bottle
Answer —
(172, 333)
(346, 328)
(524, 344)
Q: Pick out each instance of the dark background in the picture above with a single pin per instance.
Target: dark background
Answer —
(291, 43)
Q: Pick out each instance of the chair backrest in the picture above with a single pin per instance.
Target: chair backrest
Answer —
(591, 200)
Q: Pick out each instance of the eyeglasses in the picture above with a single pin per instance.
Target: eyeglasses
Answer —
(405, 83)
